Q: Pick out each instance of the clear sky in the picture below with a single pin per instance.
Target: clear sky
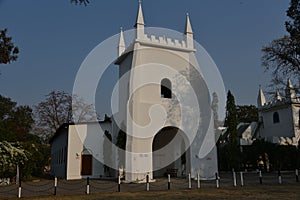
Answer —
(55, 36)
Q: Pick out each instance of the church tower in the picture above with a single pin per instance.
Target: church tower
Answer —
(149, 107)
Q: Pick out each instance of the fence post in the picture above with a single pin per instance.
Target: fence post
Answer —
(260, 177)
(55, 185)
(119, 183)
(169, 181)
(297, 175)
(217, 180)
(147, 182)
(190, 182)
(279, 177)
(242, 179)
(198, 180)
(234, 178)
(20, 189)
(88, 185)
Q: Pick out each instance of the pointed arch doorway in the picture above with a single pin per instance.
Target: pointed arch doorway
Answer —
(170, 153)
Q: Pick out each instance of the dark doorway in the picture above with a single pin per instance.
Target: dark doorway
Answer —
(86, 164)
(170, 153)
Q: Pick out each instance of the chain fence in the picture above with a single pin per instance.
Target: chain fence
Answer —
(90, 186)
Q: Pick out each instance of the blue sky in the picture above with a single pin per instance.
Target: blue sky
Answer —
(55, 36)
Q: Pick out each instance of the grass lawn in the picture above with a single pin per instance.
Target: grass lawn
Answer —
(282, 192)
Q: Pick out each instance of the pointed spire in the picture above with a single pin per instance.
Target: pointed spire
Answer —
(189, 36)
(261, 99)
(121, 46)
(139, 25)
(140, 17)
(277, 96)
(188, 26)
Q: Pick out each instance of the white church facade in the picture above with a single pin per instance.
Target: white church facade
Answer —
(279, 119)
(148, 94)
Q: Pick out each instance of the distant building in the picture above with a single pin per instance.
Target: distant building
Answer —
(279, 119)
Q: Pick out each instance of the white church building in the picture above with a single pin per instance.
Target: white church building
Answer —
(80, 150)
(279, 119)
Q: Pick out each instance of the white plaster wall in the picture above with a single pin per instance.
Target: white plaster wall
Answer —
(76, 135)
(144, 97)
(90, 137)
(285, 128)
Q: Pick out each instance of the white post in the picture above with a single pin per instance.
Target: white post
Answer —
(190, 183)
(217, 180)
(234, 178)
(169, 181)
(147, 183)
(88, 185)
(198, 180)
(55, 185)
(19, 192)
(242, 179)
(119, 183)
(279, 177)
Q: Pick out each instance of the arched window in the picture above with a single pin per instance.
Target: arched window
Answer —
(166, 88)
(276, 118)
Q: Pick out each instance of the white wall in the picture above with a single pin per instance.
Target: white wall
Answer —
(86, 137)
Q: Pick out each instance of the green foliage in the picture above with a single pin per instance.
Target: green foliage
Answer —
(15, 121)
(273, 156)
(246, 113)
(11, 155)
(8, 52)
(231, 121)
(17, 144)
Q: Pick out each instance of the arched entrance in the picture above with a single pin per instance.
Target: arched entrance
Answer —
(170, 153)
(86, 162)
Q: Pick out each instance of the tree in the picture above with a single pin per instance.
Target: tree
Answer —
(15, 121)
(282, 56)
(51, 113)
(8, 52)
(231, 121)
(11, 155)
(246, 113)
(231, 148)
(58, 108)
